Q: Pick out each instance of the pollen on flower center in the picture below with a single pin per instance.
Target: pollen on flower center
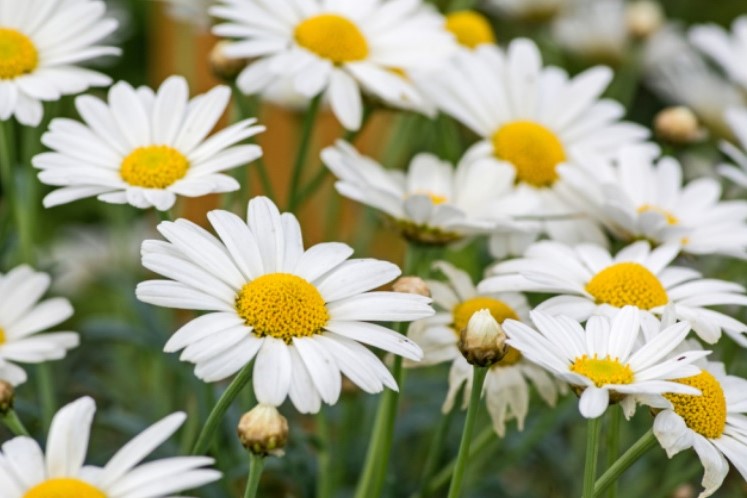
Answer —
(705, 414)
(3, 337)
(625, 284)
(154, 166)
(64, 488)
(533, 150)
(669, 217)
(283, 306)
(463, 311)
(603, 371)
(470, 28)
(332, 37)
(18, 54)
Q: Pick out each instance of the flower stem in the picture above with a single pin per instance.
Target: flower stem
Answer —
(435, 450)
(256, 464)
(613, 473)
(478, 379)
(324, 473)
(592, 452)
(45, 381)
(613, 443)
(303, 151)
(220, 409)
(12, 422)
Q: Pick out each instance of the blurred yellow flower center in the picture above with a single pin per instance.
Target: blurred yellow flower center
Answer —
(332, 37)
(154, 166)
(435, 198)
(3, 338)
(64, 488)
(283, 306)
(625, 284)
(18, 55)
(463, 311)
(648, 208)
(533, 150)
(470, 28)
(603, 371)
(512, 357)
(705, 414)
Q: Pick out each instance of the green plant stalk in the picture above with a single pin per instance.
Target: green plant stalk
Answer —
(220, 408)
(307, 130)
(436, 448)
(613, 473)
(613, 443)
(481, 443)
(592, 453)
(478, 379)
(324, 484)
(12, 422)
(256, 465)
(45, 381)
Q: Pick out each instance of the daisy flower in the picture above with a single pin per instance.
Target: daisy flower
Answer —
(534, 119)
(736, 118)
(506, 388)
(23, 317)
(728, 50)
(589, 281)
(41, 43)
(603, 361)
(336, 48)
(470, 28)
(646, 199)
(595, 30)
(432, 203)
(713, 424)
(301, 313)
(60, 472)
(144, 148)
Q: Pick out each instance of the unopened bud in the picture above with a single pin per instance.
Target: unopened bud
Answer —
(7, 396)
(225, 67)
(263, 431)
(482, 342)
(677, 125)
(412, 285)
(643, 18)
(684, 491)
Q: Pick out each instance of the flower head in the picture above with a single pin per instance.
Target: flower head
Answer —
(727, 49)
(736, 118)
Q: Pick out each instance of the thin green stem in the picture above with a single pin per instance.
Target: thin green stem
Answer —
(436, 448)
(481, 443)
(613, 443)
(613, 473)
(12, 422)
(303, 151)
(592, 452)
(478, 379)
(164, 215)
(324, 473)
(220, 408)
(256, 465)
(47, 399)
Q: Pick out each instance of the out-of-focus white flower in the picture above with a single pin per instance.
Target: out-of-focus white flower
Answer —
(728, 50)
(595, 30)
(737, 121)
(193, 12)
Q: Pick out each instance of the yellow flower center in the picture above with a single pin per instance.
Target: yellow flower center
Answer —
(64, 488)
(625, 284)
(705, 414)
(648, 208)
(283, 306)
(3, 338)
(18, 54)
(154, 166)
(463, 311)
(512, 357)
(470, 28)
(435, 198)
(603, 371)
(533, 150)
(332, 37)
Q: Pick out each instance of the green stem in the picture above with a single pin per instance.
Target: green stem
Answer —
(303, 151)
(613, 473)
(481, 443)
(436, 448)
(12, 422)
(324, 473)
(613, 443)
(478, 379)
(164, 215)
(256, 464)
(220, 408)
(592, 452)
(45, 380)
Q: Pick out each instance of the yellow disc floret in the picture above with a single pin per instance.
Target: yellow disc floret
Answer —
(18, 54)
(603, 371)
(533, 150)
(511, 357)
(435, 198)
(332, 37)
(470, 28)
(463, 311)
(154, 166)
(283, 306)
(705, 414)
(64, 488)
(646, 208)
(3, 337)
(624, 284)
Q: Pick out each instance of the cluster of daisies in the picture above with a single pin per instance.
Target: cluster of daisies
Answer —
(570, 200)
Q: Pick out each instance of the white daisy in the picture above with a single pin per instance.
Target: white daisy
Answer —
(41, 44)
(594, 30)
(470, 28)
(506, 388)
(590, 282)
(23, 317)
(645, 199)
(529, 10)
(145, 148)
(433, 203)
(193, 12)
(714, 424)
(603, 361)
(534, 119)
(26, 471)
(728, 50)
(336, 48)
(301, 313)
(736, 118)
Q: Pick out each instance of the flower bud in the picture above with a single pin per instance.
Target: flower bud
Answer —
(677, 125)
(7, 396)
(224, 67)
(263, 431)
(482, 342)
(643, 18)
(684, 491)
(411, 285)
